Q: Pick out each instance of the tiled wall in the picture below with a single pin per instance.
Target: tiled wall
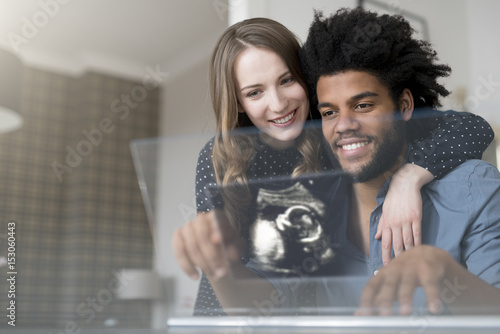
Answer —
(77, 226)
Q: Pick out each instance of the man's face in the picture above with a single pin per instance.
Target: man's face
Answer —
(358, 120)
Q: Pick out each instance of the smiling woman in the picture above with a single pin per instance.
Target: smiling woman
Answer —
(261, 106)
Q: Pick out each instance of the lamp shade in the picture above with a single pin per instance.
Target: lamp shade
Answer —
(11, 69)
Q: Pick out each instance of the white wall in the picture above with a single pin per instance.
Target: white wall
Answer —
(484, 55)
(186, 102)
(299, 14)
(447, 25)
(294, 14)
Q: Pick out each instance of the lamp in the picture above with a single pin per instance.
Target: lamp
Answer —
(10, 91)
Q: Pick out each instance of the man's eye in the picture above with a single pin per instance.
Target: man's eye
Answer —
(363, 106)
(329, 114)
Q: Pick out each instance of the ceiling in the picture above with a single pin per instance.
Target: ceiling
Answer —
(121, 36)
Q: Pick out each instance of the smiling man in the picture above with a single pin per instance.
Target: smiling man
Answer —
(374, 85)
(368, 154)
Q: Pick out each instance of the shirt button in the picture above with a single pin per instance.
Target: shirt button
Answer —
(375, 272)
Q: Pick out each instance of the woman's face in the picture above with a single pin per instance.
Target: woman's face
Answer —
(273, 100)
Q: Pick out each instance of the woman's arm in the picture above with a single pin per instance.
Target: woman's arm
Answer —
(243, 292)
(209, 243)
(454, 138)
(401, 218)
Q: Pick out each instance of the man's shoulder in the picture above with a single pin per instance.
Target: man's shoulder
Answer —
(467, 187)
(471, 170)
(463, 194)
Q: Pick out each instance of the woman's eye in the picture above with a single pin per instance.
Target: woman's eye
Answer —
(254, 93)
(287, 80)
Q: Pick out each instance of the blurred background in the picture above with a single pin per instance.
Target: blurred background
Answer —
(81, 79)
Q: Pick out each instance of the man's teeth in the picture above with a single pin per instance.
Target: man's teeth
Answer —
(354, 146)
(284, 119)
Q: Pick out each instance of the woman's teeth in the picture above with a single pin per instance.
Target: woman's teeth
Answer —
(284, 119)
(350, 147)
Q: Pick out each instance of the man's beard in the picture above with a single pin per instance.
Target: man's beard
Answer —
(386, 153)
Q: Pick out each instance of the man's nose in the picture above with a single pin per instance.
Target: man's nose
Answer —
(346, 121)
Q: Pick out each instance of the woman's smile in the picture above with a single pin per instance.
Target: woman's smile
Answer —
(284, 120)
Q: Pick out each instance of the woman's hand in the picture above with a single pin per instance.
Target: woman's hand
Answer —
(208, 243)
(211, 244)
(401, 220)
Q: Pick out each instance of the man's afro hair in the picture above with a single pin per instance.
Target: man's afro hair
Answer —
(355, 39)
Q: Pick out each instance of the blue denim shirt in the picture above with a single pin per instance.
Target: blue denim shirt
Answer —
(461, 214)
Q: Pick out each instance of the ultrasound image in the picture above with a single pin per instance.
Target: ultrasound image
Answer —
(288, 231)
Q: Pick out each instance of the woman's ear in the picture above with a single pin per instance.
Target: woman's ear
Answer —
(406, 105)
(240, 109)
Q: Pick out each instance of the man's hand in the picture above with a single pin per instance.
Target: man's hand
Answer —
(424, 266)
(207, 242)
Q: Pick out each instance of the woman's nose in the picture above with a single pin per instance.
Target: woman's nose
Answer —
(277, 101)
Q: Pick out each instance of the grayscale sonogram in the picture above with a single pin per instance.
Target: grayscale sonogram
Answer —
(288, 230)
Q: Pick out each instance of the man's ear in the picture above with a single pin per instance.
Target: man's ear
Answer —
(406, 105)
